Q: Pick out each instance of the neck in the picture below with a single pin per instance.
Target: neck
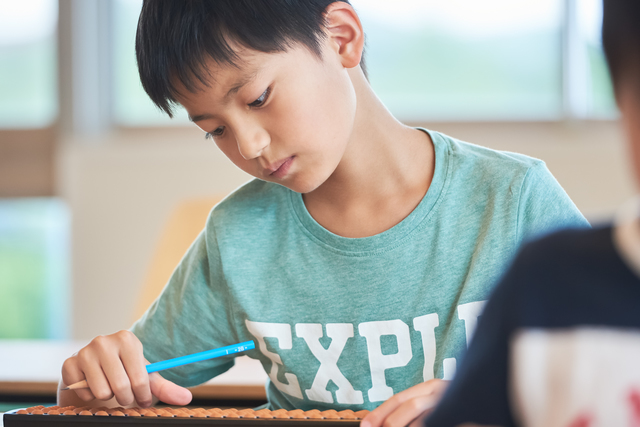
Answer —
(384, 173)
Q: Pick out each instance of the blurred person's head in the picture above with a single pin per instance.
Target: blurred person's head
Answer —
(621, 42)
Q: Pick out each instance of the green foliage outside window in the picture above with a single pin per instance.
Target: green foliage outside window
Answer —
(34, 268)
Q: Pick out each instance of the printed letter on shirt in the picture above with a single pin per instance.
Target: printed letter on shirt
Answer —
(469, 313)
(426, 325)
(449, 368)
(339, 334)
(379, 362)
(281, 331)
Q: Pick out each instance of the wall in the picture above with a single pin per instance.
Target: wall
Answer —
(122, 188)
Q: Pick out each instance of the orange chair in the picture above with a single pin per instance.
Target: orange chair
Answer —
(184, 225)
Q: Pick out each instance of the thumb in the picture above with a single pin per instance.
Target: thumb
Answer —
(168, 392)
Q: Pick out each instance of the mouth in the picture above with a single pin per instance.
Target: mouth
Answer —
(280, 168)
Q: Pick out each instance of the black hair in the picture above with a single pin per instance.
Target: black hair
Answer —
(175, 38)
(621, 41)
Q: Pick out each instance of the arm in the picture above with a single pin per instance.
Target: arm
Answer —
(190, 315)
(407, 406)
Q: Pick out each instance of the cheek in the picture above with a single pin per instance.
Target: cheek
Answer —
(319, 113)
(338, 107)
(230, 150)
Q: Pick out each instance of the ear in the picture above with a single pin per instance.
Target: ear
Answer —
(344, 32)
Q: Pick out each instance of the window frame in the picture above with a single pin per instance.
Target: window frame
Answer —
(574, 76)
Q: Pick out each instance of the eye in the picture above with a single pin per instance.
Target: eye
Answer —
(262, 99)
(215, 133)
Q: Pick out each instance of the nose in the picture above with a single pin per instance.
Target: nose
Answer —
(252, 142)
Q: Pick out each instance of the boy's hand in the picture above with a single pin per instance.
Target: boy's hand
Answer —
(403, 408)
(114, 366)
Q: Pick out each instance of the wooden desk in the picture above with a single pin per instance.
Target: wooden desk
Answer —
(31, 368)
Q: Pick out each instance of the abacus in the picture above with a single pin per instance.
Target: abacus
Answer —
(54, 416)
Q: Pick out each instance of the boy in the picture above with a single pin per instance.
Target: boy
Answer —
(359, 259)
(559, 341)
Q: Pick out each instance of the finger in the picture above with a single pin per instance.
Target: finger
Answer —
(118, 379)
(376, 417)
(92, 370)
(168, 392)
(410, 410)
(422, 419)
(139, 378)
(71, 374)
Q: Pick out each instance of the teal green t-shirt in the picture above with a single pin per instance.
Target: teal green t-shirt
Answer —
(345, 323)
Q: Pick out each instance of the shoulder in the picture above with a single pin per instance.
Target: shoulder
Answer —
(254, 195)
(501, 172)
(493, 174)
(567, 262)
(571, 246)
(466, 152)
(572, 277)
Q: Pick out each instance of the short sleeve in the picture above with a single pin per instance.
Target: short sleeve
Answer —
(191, 315)
(544, 206)
(479, 392)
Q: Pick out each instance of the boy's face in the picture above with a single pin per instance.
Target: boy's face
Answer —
(291, 121)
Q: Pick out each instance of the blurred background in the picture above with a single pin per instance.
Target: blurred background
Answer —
(90, 171)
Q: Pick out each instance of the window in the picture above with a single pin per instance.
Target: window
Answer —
(457, 60)
(600, 102)
(131, 105)
(34, 268)
(34, 231)
(28, 63)
(465, 60)
(28, 96)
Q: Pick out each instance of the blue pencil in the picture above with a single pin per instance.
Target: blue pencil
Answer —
(185, 360)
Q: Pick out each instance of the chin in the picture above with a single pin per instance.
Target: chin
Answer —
(303, 186)
(302, 183)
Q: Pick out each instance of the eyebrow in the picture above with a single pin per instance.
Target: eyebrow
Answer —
(248, 78)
